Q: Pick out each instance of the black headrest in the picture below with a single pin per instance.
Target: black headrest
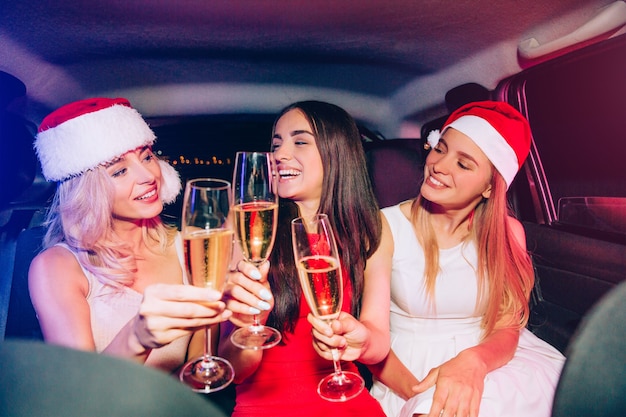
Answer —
(435, 124)
(466, 93)
(396, 169)
(455, 98)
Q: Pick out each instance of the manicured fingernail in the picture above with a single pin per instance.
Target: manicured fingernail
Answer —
(265, 294)
(255, 274)
(263, 305)
(253, 310)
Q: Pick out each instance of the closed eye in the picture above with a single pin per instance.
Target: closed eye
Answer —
(464, 166)
(275, 145)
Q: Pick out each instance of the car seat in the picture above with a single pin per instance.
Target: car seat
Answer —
(592, 382)
(46, 380)
(23, 197)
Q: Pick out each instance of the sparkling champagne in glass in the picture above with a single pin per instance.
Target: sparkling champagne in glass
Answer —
(255, 215)
(319, 269)
(208, 241)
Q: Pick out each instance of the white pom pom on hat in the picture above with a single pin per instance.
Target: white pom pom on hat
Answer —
(498, 129)
(84, 134)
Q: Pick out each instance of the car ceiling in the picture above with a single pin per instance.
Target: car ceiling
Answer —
(385, 61)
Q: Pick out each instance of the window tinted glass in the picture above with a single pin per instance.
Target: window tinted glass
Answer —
(205, 146)
(577, 111)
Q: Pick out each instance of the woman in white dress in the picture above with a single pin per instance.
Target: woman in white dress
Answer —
(459, 276)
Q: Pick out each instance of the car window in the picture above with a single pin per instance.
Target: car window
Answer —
(577, 110)
(205, 146)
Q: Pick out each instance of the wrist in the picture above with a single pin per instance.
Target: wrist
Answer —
(476, 356)
(141, 339)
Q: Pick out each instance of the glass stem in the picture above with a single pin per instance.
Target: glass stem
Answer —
(336, 363)
(207, 344)
(255, 318)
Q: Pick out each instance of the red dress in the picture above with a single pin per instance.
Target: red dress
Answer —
(285, 383)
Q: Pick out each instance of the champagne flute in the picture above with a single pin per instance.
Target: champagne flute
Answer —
(255, 209)
(320, 272)
(208, 240)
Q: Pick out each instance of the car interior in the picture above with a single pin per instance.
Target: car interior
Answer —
(209, 77)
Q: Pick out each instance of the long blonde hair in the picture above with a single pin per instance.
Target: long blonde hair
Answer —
(81, 217)
(504, 267)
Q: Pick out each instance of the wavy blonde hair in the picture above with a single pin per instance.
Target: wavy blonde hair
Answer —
(81, 217)
(505, 271)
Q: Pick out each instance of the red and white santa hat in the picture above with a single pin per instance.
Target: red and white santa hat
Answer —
(498, 129)
(81, 135)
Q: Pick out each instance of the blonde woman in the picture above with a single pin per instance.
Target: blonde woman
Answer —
(111, 277)
(459, 277)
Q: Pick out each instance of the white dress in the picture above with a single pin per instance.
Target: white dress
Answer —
(423, 338)
(111, 309)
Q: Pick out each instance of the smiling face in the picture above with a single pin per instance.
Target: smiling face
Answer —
(298, 161)
(136, 176)
(457, 173)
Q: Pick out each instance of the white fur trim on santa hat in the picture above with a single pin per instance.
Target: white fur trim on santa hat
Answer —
(170, 183)
(433, 138)
(489, 140)
(86, 141)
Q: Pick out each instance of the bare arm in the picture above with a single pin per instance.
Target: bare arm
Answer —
(397, 377)
(59, 291)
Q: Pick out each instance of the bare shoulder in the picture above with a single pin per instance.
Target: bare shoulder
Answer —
(56, 269)
(383, 254)
(517, 229)
(405, 208)
(58, 289)
(54, 258)
(386, 240)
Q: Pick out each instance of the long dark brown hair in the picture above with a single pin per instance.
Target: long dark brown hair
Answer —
(347, 199)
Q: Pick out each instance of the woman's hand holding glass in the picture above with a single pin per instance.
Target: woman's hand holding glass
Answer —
(248, 294)
(345, 333)
(321, 277)
(255, 217)
(208, 239)
(168, 312)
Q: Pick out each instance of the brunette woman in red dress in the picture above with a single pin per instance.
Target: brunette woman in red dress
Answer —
(321, 167)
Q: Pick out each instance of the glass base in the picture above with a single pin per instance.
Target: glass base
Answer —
(207, 374)
(255, 337)
(340, 387)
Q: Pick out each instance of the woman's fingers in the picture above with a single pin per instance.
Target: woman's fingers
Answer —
(320, 327)
(168, 312)
(183, 293)
(184, 314)
(181, 306)
(251, 271)
(247, 295)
